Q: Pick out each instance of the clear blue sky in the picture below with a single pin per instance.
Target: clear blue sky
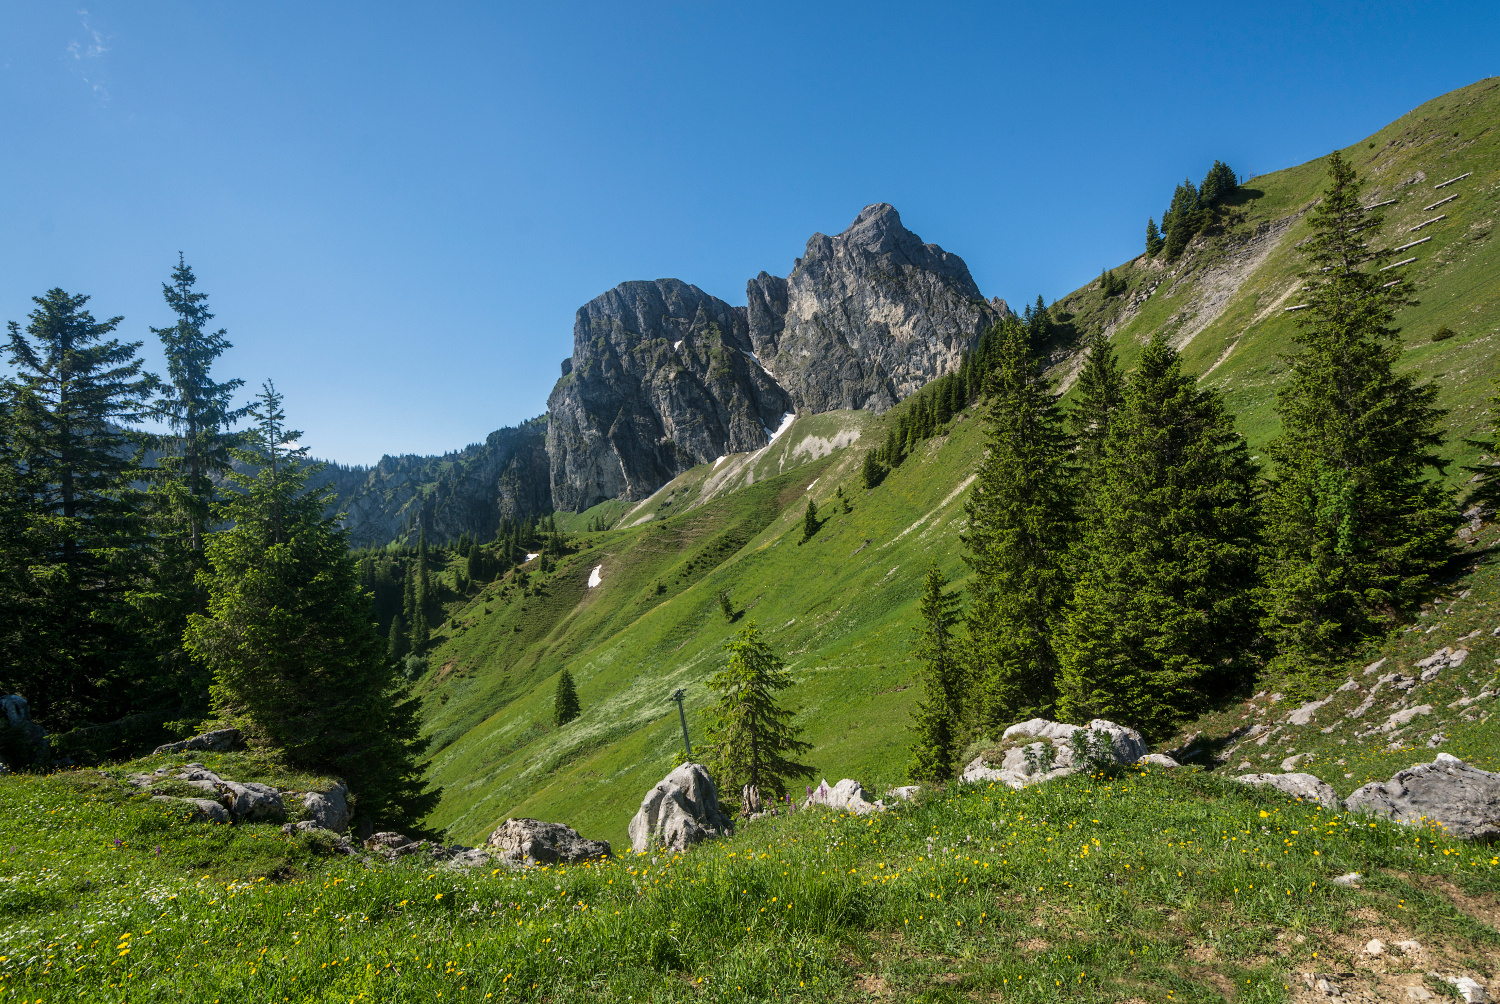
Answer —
(397, 208)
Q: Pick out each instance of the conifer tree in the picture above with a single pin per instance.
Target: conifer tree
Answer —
(1154, 241)
(1163, 611)
(396, 644)
(809, 521)
(1101, 390)
(872, 471)
(938, 718)
(750, 737)
(1485, 481)
(1358, 526)
(565, 706)
(1020, 521)
(296, 661)
(1183, 221)
(1218, 185)
(76, 510)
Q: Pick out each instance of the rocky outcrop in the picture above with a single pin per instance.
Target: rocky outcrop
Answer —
(681, 810)
(1303, 786)
(1060, 750)
(662, 379)
(866, 317)
(1458, 796)
(227, 801)
(218, 741)
(328, 810)
(848, 795)
(467, 491)
(523, 841)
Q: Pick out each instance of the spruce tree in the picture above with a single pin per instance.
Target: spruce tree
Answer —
(297, 663)
(1182, 221)
(1154, 241)
(1218, 185)
(1359, 520)
(396, 644)
(84, 540)
(565, 702)
(809, 521)
(1020, 522)
(1163, 611)
(750, 737)
(938, 718)
(1100, 391)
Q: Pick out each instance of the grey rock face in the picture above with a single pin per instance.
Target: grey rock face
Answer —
(203, 810)
(662, 380)
(866, 317)
(251, 802)
(1055, 754)
(219, 741)
(467, 491)
(1462, 798)
(680, 811)
(533, 842)
(1303, 786)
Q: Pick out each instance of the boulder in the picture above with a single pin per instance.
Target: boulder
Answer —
(251, 802)
(33, 738)
(1158, 760)
(203, 810)
(1458, 796)
(328, 810)
(1056, 752)
(904, 793)
(681, 810)
(533, 842)
(218, 741)
(1303, 786)
(392, 844)
(848, 795)
(341, 843)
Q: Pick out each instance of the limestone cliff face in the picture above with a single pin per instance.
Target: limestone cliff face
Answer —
(662, 379)
(463, 492)
(866, 317)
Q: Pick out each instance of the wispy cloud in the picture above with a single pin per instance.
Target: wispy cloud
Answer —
(91, 48)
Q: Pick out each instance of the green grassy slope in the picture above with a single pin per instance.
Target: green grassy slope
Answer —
(839, 609)
(1224, 301)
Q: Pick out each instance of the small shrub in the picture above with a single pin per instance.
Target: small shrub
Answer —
(1443, 333)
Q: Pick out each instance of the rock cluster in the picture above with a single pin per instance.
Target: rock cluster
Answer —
(223, 801)
(220, 741)
(522, 841)
(1059, 750)
(848, 795)
(681, 810)
(1303, 786)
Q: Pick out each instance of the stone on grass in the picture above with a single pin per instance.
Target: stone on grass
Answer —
(1348, 880)
(1375, 947)
(1303, 786)
(1459, 797)
(1158, 760)
(251, 801)
(328, 810)
(1291, 763)
(202, 810)
(532, 842)
(848, 794)
(905, 793)
(681, 810)
(392, 844)
(1054, 754)
(217, 741)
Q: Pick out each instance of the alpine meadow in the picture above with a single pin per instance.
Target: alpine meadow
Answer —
(877, 639)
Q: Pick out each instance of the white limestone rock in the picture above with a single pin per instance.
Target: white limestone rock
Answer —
(1303, 786)
(1458, 796)
(681, 810)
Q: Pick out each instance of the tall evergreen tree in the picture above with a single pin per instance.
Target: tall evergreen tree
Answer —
(1182, 221)
(1101, 391)
(297, 663)
(75, 509)
(396, 644)
(1218, 185)
(1020, 521)
(938, 721)
(565, 706)
(750, 737)
(809, 521)
(1163, 612)
(1154, 241)
(1358, 525)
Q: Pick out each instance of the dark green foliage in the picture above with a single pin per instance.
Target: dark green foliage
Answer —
(1039, 324)
(750, 737)
(1218, 185)
(938, 719)
(297, 664)
(872, 471)
(565, 706)
(1100, 392)
(725, 606)
(1183, 220)
(810, 522)
(1442, 334)
(76, 538)
(1162, 614)
(1154, 241)
(1358, 528)
(1020, 520)
(1111, 284)
(396, 643)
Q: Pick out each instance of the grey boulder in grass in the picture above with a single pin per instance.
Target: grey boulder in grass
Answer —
(534, 842)
(218, 741)
(681, 810)
(1458, 796)
(1054, 755)
(1303, 786)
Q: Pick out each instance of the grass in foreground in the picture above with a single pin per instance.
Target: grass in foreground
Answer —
(1159, 887)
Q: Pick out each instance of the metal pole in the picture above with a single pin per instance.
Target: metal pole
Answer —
(682, 715)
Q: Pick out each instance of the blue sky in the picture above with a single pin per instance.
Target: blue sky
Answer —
(397, 208)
